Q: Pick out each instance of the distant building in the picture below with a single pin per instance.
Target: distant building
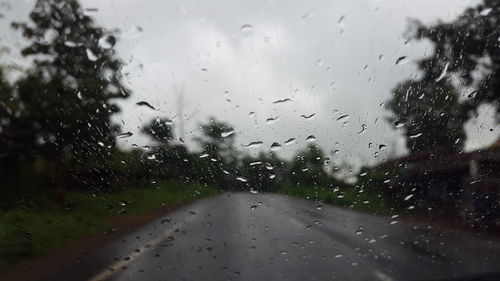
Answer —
(463, 184)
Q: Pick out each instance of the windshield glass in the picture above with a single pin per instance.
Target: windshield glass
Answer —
(243, 140)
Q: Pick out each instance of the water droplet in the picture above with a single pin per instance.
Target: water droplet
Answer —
(283, 252)
(227, 134)
(125, 135)
(306, 16)
(443, 72)
(253, 191)
(253, 207)
(152, 157)
(311, 138)
(246, 30)
(359, 231)
(338, 256)
(225, 172)
(282, 101)
(254, 144)
(486, 12)
(414, 136)
(398, 124)
(382, 146)
(290, 141)
(242, 179)
(72, 44)
(472, 95)
(107, 42)
(344, 117)
(310, 116)
(275, 146)
(204, 70)
(255, 163)
(408, 197)
(272, 120)
(79, 95)
(133, 32)
(363, 129)
(319, 207)
(402, 60)
(205, 155)
(144, 103)
(251, 114)
(272, 176)
(341, 19)
(90, 55)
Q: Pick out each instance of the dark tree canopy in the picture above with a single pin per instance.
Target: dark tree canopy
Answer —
(217, 140)
(430, 114)
(58, 112)
(67, 94)
(308, 167)
(470, 46)
(160, 130)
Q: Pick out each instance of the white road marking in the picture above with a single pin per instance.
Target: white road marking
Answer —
(105, 274)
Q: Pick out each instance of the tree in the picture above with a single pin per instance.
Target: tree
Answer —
(307, 167)
(264, 172)
(468, 46)
(64, 101)
(159, 130)
(430, 113)
(165, 159)
(217, 163)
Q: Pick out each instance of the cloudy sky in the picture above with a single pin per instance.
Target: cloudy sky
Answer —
(233, 59)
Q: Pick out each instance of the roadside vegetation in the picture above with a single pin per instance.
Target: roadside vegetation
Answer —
(30, 231)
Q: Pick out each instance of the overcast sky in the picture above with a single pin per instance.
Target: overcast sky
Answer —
(229, 58)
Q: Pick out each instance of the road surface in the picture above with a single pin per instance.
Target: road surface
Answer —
(244, 236)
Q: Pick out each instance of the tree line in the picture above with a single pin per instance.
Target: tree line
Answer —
(56, 132)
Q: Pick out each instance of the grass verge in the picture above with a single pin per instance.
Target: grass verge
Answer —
(28, 233)
(348, 197)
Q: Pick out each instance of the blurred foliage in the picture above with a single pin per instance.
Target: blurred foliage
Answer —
(466, 49)
(55, 119)
(469, 46)
(29, 231)
(429, 114)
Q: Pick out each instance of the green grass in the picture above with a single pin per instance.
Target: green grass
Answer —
(348, 197)
(28, 233)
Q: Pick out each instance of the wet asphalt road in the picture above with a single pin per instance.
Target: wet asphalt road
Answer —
(244, 236)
